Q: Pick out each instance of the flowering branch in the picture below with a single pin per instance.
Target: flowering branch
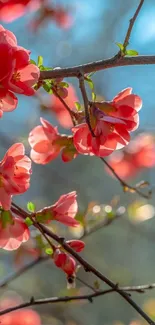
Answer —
(88, 267)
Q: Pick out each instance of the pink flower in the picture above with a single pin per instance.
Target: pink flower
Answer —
(65, 209)
(41, 140)
(112, 123)
(140, 153)
(13, 234)
(15, 170)
(23, 79)
(59, 109)
(46, 144)
(65, 262)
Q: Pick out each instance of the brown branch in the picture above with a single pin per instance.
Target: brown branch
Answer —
(126, 186)
(98, 66)
(85, 101)
(131, 24)
(89, 297)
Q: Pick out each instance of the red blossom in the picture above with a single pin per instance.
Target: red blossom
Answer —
(77, 245)
(65, 262)
(112, 123)
(16, 73)
(139, 154)
(15, 170)
(13, 234)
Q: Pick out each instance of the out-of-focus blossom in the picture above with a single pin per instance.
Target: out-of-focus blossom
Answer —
(18, 317)
(139, 154)
(13, 9)
(61, 17)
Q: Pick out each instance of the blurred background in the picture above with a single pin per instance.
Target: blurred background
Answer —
(123, 251)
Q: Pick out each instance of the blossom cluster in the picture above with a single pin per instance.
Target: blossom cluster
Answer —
(17, 74)
(111, 124)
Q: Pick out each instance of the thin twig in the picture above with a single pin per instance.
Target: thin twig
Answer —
(24, 269)
(125, 185)
(89, 297)
(72, 114)
(131, 24)
(85, 101)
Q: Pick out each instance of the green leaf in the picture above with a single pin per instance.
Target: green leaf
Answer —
(33, 62)
(64, 84)
(49, 251)
(93, 96)
(40, 61)
(78, 106)
(43, 217)
(6, 218)
(47, 87)
(121, 47)
(131, 52)
(90, 83)
(31, 207)
(39, 242)
(28, 222)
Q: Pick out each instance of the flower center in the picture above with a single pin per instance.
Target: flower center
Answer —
(16, 76)
(1, 181)
(112, 127)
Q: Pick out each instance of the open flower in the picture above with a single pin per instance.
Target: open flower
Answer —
(65, 209)
(41, 140)
(112, 123)
(47, 143)
(13, 234)
(15, 170)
